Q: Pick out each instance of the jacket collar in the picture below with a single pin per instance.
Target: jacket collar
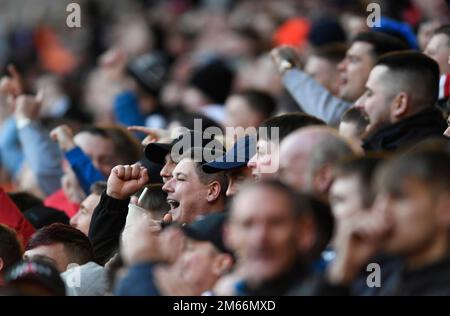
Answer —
(427, 123)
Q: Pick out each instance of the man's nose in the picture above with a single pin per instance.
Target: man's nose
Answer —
(252, 162)
(168, 186)
(359, 104)
(342, 65)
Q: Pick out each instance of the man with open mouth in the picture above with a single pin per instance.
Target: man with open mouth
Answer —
(192, 192)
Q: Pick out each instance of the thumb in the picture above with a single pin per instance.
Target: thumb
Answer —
(167, 219)
(144, 178)
(54, 135)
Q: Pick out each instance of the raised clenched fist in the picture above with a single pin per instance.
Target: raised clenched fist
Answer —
(124, 181)
(64, 136)
(28, 106)
(11, 85)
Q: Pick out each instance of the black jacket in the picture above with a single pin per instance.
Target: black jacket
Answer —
(426, 124)
(293, 282)
(108, 221)
(432, 279)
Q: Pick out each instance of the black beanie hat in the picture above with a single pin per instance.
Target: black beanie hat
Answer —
(214, 80)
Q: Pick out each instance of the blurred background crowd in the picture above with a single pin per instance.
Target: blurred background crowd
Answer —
(89, 115)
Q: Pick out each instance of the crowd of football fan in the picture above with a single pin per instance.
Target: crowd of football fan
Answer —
(229, 148)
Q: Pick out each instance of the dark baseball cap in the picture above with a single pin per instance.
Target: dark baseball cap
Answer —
(150, 71)
(36, 272)
(243, 150)
(156, 152)
(208, 228)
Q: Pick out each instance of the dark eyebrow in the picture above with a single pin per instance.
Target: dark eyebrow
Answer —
(40, 257)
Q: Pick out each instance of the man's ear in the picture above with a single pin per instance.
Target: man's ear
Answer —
(1, 264)
(222, 264)
(323, 178)
(214, 189)
(399, 106)
(306, 236)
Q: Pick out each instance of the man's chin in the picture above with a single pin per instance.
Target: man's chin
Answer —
(176, 214)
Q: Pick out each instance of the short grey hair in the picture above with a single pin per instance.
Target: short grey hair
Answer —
(329, 150)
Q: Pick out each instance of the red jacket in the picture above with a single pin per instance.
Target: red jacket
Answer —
(59, 201)
(11, 216)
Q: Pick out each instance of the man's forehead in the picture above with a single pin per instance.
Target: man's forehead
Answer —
(89, 141)
(439, 39)
(185, 165)
(377, 74)
(360, 48)
(249, 195)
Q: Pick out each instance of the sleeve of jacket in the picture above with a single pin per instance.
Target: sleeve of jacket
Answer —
(313, 98)
(11, 152)
(43, 156)
(11, 216)
(138, 282)
(85, 171)
(126, 111)
(107, 223)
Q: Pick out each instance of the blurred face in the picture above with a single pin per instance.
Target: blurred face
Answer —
(197, 265)
(262, 231)
(82, 219)
(417, 217)
(323, 71)
(166, 171)
(354, 71)
(70, 185)
(377, 99)
(425, 33)
(54, 254)
(100, 150)
(193, 99)
(236, 178)
(186, 195)
(447, 131)
(293, 166)
(239, 114)
(439, 49)
(345, 197)
(266, 157)
(349, 130)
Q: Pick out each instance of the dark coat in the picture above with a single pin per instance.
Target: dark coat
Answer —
(425, 124)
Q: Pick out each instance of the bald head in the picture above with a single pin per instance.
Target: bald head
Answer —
(308, 156)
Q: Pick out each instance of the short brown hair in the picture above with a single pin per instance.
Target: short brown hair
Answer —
(98, 187)
(76, 244)
(364, 168)
(10, 247)
(428, 164)
(357, 117)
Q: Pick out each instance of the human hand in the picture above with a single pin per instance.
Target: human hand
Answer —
(64, 136)
(285, 57)
(126, 180)
(11, 85)
(28, 106)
